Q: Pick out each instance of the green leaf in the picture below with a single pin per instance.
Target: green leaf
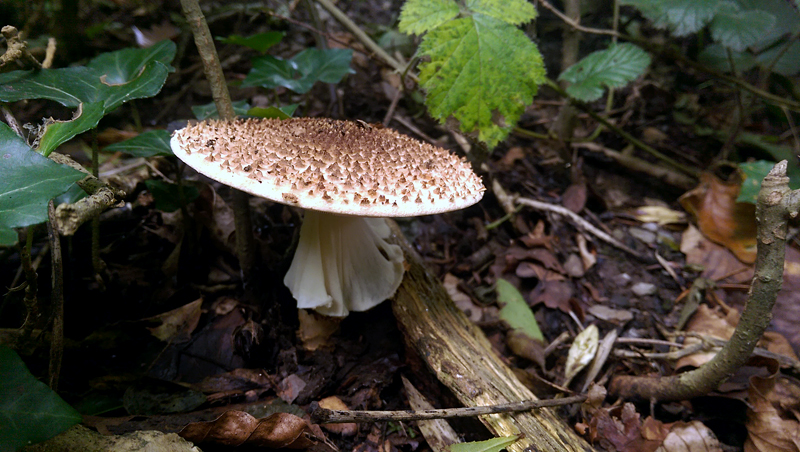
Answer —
(682, 17)
(614, 67)
(514, 12)
(754, 172)
(30, 412)
(283, 112)
(259, 42)
(57, 132)
(28, 181)
(788, 64)
(483, 72)
(420, 16)
(167, 195)
(490, 445)
(515, 311)
(738, 29)
(146, 144)
(301, 71)
(716, 57)
(201, 112)
(122, 66)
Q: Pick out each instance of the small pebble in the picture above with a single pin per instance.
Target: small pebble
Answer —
(642, 289)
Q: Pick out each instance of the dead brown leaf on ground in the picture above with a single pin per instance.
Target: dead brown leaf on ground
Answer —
(772, 418)
(723, 220)
(718, 263)
(237, 428)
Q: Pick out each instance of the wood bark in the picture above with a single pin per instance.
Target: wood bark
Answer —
(461, 357)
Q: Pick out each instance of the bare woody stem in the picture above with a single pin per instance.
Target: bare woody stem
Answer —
(775, 204)
(325, 416)
(245, 243)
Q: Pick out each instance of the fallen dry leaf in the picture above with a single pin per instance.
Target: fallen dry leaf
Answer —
(603, 312)
(772, 414)
(691, 437)
(335, 403)
(722, 219)
(660, 215)
(711, 322)
(574, 197)
(718, 262)
(619, 429)
(176, 326)
(237, 428)
(462, 300)
(315, 329)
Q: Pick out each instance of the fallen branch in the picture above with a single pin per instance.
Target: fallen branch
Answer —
(774, 207)
(326, 416)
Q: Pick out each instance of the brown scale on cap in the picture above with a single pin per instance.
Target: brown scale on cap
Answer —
(329, 165)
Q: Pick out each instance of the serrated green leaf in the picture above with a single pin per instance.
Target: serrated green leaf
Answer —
(209, 110)
(30, 412)
(420, 16)
(146, 144)
(514, 12)
(483, 72)
(614, 67)
(681, 17)
(789, 62)
(490, 445)
(28, 181)
(167, 195)
(284, 112)
(301, 71)
(737, 29)
(259, 42)
(754, 172)
(515, 311)
(716, 57)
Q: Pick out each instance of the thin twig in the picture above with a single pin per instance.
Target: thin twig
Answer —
(583, 225)
(572, 23)
(325, 416)
(56, 299)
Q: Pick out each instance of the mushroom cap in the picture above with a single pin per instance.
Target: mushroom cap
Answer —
(342, 167)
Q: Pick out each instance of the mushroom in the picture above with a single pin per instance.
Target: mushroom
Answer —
(347, 175)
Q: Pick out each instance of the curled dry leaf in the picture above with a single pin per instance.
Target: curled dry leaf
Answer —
(711, 322)
(581, 352)
(335, 403)
(691, 437)
(177, 325)
(237, 428)
(722, 219)
(718, 263)
(772, 415)
(316, 329)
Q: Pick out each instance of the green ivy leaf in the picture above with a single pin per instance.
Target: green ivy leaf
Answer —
(284, 112)
(515, 311)
(420, 16)
(301, 71)
(738, 29)
(28, 181)
(754, 172)
(483, 72)
(167, 195)
(490, 445)
(201, 112)
(514, 12)
(122, 66)
(57, 132)
(146, 144)
(30, 412)
(259, 42)
(681, 17)
(614, 67)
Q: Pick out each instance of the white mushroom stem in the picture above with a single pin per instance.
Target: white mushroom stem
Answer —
(343, 264)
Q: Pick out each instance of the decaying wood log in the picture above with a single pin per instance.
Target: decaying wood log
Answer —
(461, 357)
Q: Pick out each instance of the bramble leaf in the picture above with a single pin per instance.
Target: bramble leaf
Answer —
(146, 144)
(737, 29)
(209, 110)
(300, 72)
(682, 17)
(614, 67)
(420, 16)
(30, 412)
(482, 71)
(514, 12)
(514, 310)
(28, 181)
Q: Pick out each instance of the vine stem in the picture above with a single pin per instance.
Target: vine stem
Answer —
(245, 242)
(774, 207)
